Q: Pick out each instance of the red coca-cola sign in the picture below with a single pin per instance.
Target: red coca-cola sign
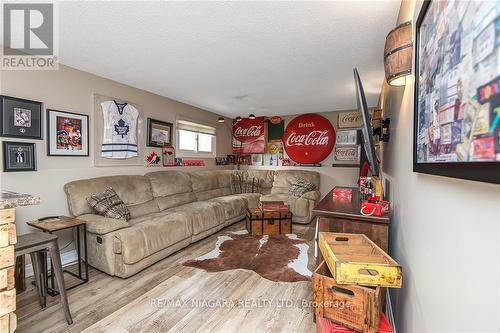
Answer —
(309, 138)
(249, 136)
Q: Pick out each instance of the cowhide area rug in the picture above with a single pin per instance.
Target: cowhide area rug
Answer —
(280, 258)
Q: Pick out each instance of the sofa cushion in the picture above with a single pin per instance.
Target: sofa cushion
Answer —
(150, 234)
(218, 192)
(233, 206)
(203, 215)
(204, 180)
(132, 190)
(252, 199)
(166, 183)
(108, 204)
(209, 184)
(171, 188)
(284, 179)
(298, 206)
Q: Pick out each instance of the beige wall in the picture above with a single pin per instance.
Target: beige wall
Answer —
(444, 233)
(68, 89)
(330, 176)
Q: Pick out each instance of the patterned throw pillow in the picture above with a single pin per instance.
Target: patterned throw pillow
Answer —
(241, 183)
(301, 186)
(109, 204)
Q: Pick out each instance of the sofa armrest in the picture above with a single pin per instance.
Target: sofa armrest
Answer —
(101, 225)
(311, 195)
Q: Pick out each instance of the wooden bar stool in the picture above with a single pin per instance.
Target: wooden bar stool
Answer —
(35, 244)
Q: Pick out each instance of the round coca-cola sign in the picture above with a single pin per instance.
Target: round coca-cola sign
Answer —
(309, 138)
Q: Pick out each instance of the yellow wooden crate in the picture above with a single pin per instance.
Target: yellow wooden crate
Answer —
(355, 259)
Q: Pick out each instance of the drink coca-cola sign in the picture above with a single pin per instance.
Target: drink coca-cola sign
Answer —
(309, 138)
(249, 136)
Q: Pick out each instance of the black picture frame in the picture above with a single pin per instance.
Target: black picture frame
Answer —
(9, 165)
(487, 171)
(150, 139)
(84, 130)
(12, 110)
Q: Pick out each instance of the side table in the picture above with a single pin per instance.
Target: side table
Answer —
(53, 224)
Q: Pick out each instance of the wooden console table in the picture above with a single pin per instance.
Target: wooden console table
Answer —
(340, 215)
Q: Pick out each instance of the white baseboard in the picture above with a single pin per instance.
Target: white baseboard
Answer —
(66, 259)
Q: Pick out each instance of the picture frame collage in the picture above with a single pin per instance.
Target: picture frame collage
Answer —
(66, 133)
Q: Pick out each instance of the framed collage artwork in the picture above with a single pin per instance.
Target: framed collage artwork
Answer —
(20, 118)
(68, 133)
(457, 90)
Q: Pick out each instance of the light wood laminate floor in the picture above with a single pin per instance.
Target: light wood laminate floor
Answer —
(169, 297)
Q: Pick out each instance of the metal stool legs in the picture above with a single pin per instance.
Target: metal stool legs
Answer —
(38, 262)
(56, 262)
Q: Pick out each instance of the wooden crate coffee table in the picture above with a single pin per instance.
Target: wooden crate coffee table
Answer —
(268, 222)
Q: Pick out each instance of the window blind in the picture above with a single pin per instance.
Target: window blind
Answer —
(194, 127)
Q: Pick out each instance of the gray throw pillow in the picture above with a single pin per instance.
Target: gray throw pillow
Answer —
(301, 186)
(109, 204)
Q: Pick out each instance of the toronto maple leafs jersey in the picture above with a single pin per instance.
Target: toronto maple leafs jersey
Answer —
(120, 130)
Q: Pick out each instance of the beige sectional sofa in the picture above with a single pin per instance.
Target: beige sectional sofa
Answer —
(172, 209)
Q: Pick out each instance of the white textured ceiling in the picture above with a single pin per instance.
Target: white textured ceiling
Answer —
(233, 58)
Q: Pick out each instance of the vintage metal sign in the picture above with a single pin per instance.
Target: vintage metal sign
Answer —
(350, 119)
(309, 138)
(249, 136)
(350, 154)
(349, 137)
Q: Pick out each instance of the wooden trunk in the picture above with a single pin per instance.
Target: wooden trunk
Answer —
(7, 291)
(354, 259)
(355, 307)
(268, 222)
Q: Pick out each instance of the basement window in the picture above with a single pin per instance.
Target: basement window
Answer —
(195, 140)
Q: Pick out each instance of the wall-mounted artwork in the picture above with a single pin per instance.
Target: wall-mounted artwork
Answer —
(309, 138)
(257, 159)
(68, 134)
(457, 90)
(347, 137)
(159, 133)
(19, 156)
(249, 136)
(20, 118)
(153, 159)
(168, 155)
(349, 119)
(113, 118)
(347, 154)
(275, 128)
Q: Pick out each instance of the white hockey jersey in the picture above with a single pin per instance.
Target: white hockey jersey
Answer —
(120, 130)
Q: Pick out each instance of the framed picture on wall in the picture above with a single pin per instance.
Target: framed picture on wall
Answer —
(159, 133)
(457, 90)
(68, 133)
(19, 156)
(20, 118)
